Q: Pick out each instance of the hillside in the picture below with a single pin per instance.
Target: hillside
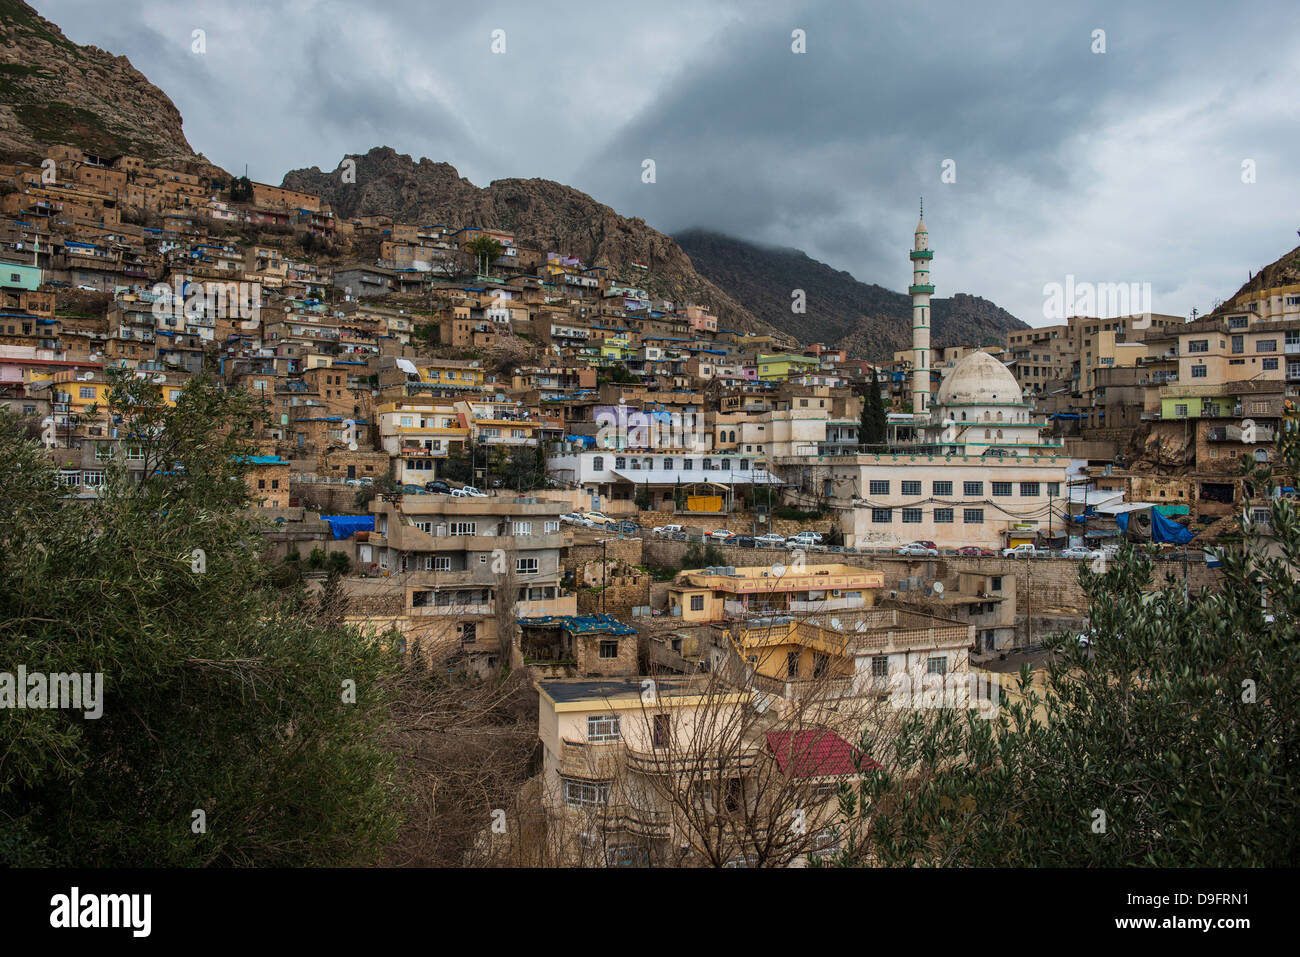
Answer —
(1285, 271)
(53, 92)
(542, 214)
(868, 320)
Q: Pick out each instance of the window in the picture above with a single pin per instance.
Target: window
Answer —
(668, 465)
(609, 647)
(942, 488)
(1180, 410)
(620, 462)
(1270, 365)
(598, 463)
(943, 516)
(526, 566)
(972, 488)
(937, 666)
(995, 583)
(552, 527)
(1001, 489)
(1199, 345)
(604, 727)
(1053, 488)
(523, 528)
(461, 528)
(442, 563)
(1029, 489)
(911, 488)
(880, 666)
(585, 793)
(1238, 344)
(1237, 322)
(882, 516)
(911, 516)
(1199, 372)
(697, 603)
(973, 516)
(879, 487)
(1266, 345)
(86, 392)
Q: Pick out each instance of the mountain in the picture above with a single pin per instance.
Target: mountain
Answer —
(543, 214)
(1284, 272)
(54, 92)
(869, 321)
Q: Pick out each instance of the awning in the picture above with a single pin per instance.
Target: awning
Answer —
(1121, 508)
(698, 476)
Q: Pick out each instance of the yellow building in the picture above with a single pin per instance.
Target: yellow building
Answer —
(702, 595)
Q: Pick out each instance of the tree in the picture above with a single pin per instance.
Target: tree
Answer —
(226, 734)
(873, 428)
(485, 251)
(1169, 740)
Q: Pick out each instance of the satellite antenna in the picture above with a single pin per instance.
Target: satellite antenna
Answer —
(938, 588)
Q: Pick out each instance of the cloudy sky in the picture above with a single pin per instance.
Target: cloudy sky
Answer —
(1117, 166)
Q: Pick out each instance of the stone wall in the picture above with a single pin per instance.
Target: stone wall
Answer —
(1042, 584)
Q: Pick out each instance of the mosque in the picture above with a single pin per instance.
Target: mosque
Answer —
(979, 471)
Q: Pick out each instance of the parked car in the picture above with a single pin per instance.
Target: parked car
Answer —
(460, 493)
(1080, 553)
(919, 550)
(974, 551)
(769, 540)
(598, 518)
(1023, 550)
(666, 530)
(571, 518)
(628, 528)
(412, 490)
(471, 492)
(742, 541)
(721, 534)
(438, 486)
(805, 539)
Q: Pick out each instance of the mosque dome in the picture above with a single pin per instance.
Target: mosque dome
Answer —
(979, 379)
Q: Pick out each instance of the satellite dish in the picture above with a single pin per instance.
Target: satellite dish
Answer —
(938, 588)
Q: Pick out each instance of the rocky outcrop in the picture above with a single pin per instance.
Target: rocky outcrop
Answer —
(54, 92)
(543, 214)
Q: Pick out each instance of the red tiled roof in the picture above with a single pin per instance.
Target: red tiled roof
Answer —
(816, 753)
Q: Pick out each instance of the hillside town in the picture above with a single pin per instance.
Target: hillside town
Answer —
(520, 462)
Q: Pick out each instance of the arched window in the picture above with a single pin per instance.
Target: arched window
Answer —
(963, 416)
(620, 462)
(988, 434)
(598, 463)
(999, 433)
(999, 415)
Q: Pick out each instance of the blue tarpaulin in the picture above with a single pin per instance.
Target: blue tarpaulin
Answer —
(1167, 530)
(343, 526)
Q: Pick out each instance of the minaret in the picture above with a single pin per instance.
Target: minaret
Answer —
(921, 289)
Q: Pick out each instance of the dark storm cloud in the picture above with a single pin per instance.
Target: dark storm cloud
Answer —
(1123, 166)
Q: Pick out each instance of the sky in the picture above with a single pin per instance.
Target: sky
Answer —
(1155, 151)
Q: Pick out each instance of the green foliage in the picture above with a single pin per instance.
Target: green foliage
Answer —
(873, 428)
(790, 513)
(1179, 725)
(218, 694)
(642, 497)
(485, 251)
(703, 555)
